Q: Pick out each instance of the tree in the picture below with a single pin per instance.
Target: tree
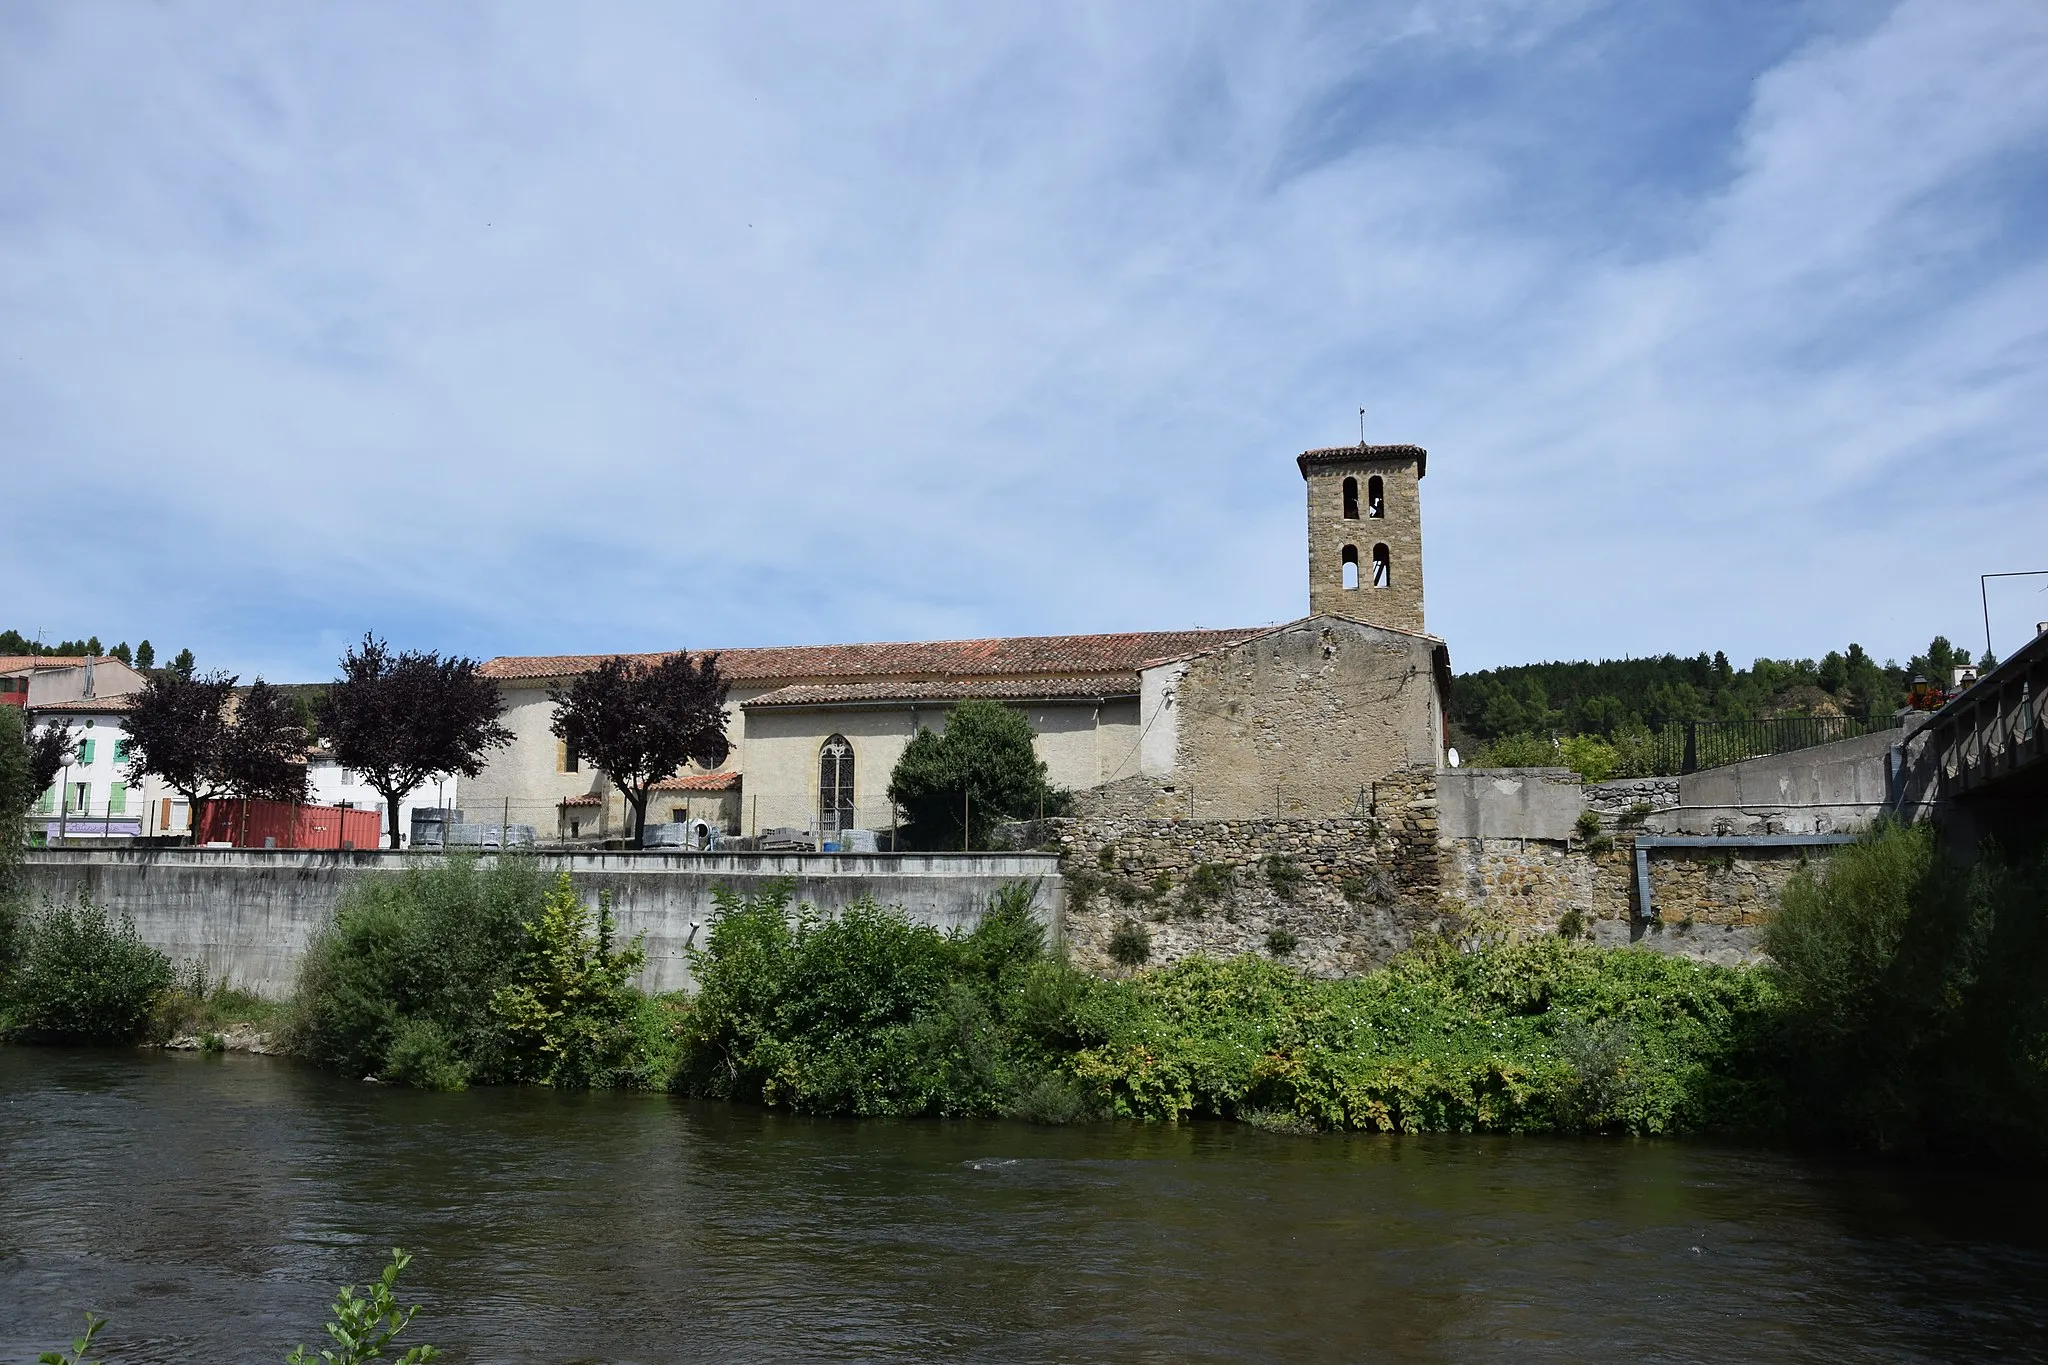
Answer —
(29, 762)
(122, 653)
(145, 655)
(184, 665)
(180, 730)
(50, 749)
(263, 752)
(984, 769)
(400, 719)
(638, 723)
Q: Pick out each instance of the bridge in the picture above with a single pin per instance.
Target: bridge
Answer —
(1984, 756)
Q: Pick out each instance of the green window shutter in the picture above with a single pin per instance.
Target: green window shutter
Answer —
(47, 802)
(121, 750)
(117, 799)
(85, 753)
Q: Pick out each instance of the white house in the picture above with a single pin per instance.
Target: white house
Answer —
(93, 796)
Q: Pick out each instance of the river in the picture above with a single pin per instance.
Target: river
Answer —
(209, 1205)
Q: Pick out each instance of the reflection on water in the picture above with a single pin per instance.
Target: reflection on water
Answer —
(209, 1205)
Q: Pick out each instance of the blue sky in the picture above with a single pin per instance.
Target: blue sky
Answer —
(502, 328)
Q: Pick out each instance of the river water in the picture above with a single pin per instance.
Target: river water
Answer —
(209, 1206)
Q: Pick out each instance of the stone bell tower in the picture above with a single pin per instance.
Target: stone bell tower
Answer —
(1365, 532)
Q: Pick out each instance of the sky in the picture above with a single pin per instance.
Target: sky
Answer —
(501, 328)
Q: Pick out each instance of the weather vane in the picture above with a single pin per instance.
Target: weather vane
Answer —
(1361, 426)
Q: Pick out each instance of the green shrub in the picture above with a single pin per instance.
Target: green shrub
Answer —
(1592, 758)
(868, 1013)
(569, 1013)
(436, 943)
(454, 973)
(1514, 1039)
(82, 977)
(1281, 942)
(1520, 751)
(1130, 945)
(1915, 993)
(1284, 875)
(1209, 882)
(1376, 887)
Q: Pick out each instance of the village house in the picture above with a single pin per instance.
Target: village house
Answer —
(1296, 718)
(94, 796)
(39, 679)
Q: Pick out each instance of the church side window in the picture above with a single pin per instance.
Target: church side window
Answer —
(835, 786)
(1350, 566)
(1382, 568)
(1375, 497)
(1351, 499)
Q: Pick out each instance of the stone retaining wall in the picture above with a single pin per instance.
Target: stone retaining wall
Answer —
(1333, 896)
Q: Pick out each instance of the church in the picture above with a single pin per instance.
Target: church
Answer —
(1297, 719)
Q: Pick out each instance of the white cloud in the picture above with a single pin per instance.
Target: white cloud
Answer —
(506, 329)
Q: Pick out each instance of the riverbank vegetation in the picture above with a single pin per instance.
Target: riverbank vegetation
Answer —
(1904, 1006)
(456, 973)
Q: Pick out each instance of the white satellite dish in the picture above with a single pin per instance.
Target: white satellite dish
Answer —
(1452, 756)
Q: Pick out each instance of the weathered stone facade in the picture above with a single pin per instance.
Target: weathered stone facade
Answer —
(1334, 895)
(1339, 519)
(1299, 720)
(1405, 876)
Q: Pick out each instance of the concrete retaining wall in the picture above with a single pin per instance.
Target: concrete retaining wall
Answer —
(247, 915)
(1827, 789)
(1509, 803)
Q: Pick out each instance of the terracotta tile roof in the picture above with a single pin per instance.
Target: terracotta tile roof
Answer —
(699, 782)
(1347, 454)
(1024, 656)
(1095, 687)
(87, 706)
(587, 799)
(27, 663)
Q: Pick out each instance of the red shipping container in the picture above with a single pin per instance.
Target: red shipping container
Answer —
(255, 824)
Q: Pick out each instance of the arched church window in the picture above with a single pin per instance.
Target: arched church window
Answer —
(835, 786)
(1350, 566)
(1350, 499)
(1375, 497)
(1382, 567)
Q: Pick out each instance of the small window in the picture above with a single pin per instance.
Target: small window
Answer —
(1376, 497)
(1350, 567)
(566, 757)
(1382, 568)
(81, 797)
(1351, 499)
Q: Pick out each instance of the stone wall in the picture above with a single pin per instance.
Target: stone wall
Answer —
(1625, 794)
(1334, 896)
(1300, 720)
